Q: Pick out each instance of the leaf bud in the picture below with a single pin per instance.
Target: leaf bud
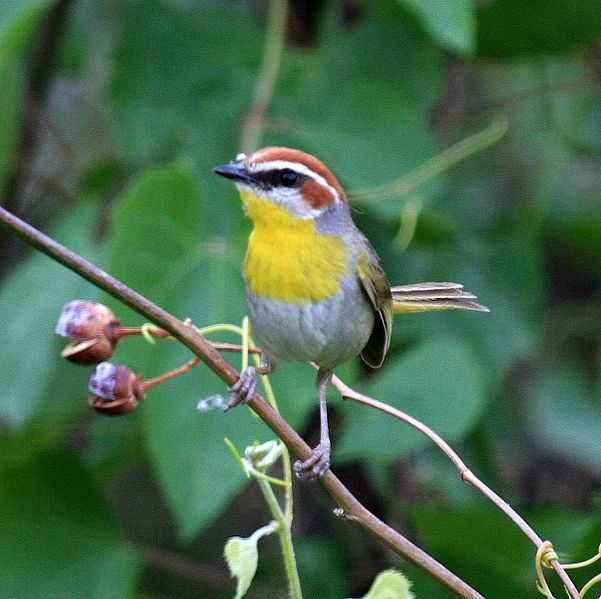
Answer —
(92, 327)
(115, 389)
(264, 455)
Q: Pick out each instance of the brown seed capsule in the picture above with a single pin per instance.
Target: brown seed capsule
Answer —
(115, 389)
(92, 327)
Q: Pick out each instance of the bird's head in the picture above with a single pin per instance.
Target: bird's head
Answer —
(290, 179)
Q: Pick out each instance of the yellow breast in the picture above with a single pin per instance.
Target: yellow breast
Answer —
(287, 259)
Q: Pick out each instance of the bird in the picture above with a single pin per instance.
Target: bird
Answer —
(315, 288)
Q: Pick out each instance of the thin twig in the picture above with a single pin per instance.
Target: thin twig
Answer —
(167, 376)
(466, 474)
(182, 565)
(234, 347)
(191, 338)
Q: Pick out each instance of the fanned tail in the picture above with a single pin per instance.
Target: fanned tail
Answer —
(425, 297)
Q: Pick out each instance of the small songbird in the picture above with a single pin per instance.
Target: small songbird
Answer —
(315, 288)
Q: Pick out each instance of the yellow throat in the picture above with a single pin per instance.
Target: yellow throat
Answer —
(287, 259)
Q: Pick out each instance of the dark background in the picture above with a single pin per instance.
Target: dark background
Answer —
(112, 115)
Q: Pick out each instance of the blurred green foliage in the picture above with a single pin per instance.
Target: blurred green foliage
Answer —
(108, 145)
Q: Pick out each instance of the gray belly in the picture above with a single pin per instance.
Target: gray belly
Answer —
(328, 332)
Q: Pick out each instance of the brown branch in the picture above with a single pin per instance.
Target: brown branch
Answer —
(41, 57)
(171, 374)
(464, 472)
(37, 59)
(200, 573)
(181, 565)
(353, 510)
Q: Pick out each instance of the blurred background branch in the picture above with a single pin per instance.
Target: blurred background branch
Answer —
(275, 36)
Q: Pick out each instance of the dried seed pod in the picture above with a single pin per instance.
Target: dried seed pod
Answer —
(92, 327)
(115, 389)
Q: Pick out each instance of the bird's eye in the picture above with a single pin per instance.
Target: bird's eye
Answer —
(288, 178)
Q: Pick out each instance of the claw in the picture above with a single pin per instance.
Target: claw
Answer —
(316, 465)
(244, 388)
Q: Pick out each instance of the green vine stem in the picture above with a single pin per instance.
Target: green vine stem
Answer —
(408, 183)
(283, 530)
(286, 461)
(352, 509)
(268, 72)
(255, 463)
(248, 346)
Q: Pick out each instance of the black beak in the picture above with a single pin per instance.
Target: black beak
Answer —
(234, 171)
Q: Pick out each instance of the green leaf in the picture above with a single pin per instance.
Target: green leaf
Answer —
(390, 584)
(242, 557)
(160, 250)
(481, 546)
(441, 383)
(578, 234)
(508, 276)
(508, 28)
(322, 565)
(20, 15)
(589, 533)
(13, 88)
(294, 387)
(505, 272)
(452, 23)
(378, 128)
(563, 415)
(183, 81)
(167, 104)
(31, 299)
(58, 537)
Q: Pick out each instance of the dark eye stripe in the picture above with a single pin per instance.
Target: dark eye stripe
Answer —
(273, 178)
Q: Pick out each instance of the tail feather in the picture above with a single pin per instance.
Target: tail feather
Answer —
(426, 297)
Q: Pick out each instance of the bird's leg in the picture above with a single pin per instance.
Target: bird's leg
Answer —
(244, 388)
(319, 462)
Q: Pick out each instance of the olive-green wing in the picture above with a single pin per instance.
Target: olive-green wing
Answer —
(376, 287)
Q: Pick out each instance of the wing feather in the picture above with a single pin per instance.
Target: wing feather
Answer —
(377, 289)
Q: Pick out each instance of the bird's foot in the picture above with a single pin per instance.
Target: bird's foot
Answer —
(244, 388)
(316, 465)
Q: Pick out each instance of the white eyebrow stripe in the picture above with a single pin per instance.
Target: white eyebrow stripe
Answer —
(272, 165)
